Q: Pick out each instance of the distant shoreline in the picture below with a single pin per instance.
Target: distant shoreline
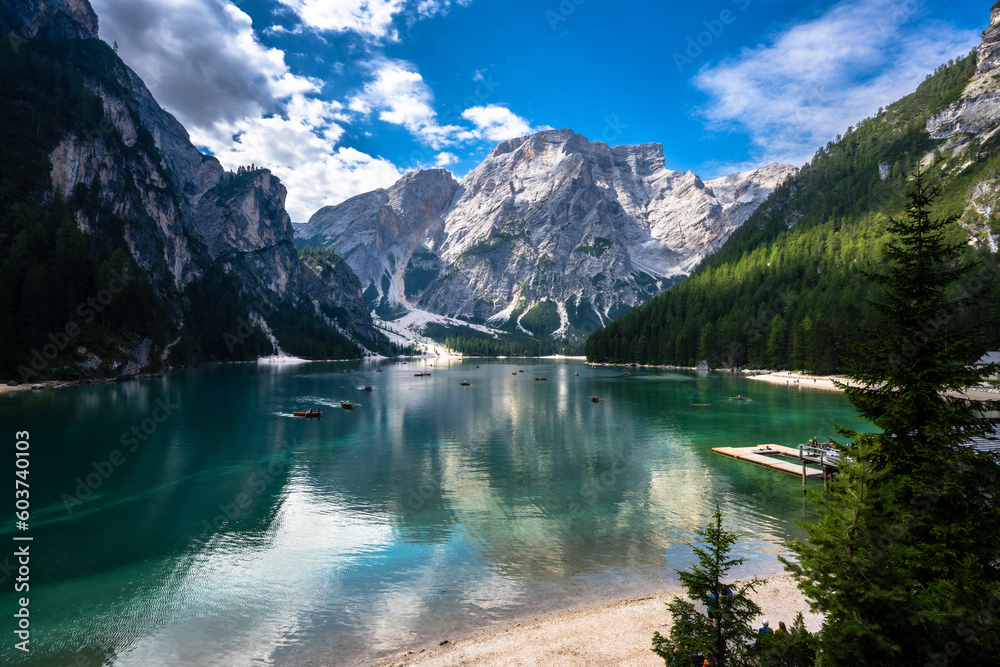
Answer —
(802, 381)
(826, 383)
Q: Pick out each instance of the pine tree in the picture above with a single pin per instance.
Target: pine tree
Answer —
(915, 353)
(724, 632)
(905, 559)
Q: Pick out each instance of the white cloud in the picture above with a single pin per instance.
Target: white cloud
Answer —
(445, 159)
(300, 148)
(200, 58)
(371, 18)
(401, 97)
(367, 17)
(817, 78)
(496, 123)
(239, 99)
(429, 8)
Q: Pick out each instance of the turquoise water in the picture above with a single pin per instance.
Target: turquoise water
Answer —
(227, 532)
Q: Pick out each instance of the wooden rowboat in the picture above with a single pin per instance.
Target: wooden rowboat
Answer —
(464, 383)
(346, 405)
(311, 414)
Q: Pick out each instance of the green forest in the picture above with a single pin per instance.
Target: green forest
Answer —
(471, 342)
(791, 286)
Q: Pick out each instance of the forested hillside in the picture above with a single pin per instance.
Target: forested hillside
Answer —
(48, 267)
(789, 286)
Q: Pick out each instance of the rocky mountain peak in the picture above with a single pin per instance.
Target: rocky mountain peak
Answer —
(49, 19)
(547, 219)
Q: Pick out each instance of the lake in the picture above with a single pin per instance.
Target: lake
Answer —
(191, 520)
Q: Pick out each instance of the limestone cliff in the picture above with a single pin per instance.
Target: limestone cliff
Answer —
(969, 129)
(547, 217)
(177, 211)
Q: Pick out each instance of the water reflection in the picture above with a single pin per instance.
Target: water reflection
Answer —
(234, 532)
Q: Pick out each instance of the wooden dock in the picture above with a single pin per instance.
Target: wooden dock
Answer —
(771, 456)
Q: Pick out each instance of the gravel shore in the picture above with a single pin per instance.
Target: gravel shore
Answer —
(618, 634)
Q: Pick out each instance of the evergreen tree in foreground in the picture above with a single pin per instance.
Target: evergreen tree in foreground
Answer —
(724, 632)
(905, 559)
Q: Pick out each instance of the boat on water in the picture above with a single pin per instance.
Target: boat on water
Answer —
(576, 374)
(346, 405)
(543, 379)
(378, 370)
(739, 397)
(420, 375)
(368, 387)
(595, 399)
(520, 371)
(464, 383)
(309, 414)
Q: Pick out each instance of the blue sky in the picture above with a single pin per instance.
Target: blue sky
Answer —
(339, 97)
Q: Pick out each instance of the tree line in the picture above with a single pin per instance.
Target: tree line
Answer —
(789, 288)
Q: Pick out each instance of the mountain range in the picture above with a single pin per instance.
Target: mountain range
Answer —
(550, 238)
(551, 235)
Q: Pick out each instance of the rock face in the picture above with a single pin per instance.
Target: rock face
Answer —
(970, 124)
(988, 56)
(378, 232)
(548, 217)
(978, 110)
(181, 210)
(49, 19)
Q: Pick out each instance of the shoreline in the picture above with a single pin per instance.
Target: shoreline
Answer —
(41, 385)
(802, 380)
(826, 383)
(63, 384)
(614, 633)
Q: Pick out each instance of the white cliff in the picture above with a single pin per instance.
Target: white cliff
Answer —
(547, 217)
